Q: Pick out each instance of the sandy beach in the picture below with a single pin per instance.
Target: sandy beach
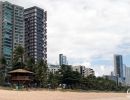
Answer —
(58, 95)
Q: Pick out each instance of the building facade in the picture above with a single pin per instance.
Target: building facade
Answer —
(118, 65)
(53, 68)
(11, 29)
(83, 70)
(18, 27)
(127, 76)
(80, 69)
(62, 60)
(35, 33)
(89, 71)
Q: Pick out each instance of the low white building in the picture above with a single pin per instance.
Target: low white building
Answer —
(89, 71)
(53, 68)
(80, 69)
(83, 70)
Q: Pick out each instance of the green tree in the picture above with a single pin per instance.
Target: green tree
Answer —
(18, 57)
(3, 70)
(30, 64)
(3, 62)
(53, 80)
(98, 83)
(2, 79)
(40, 71)
(70, 78)
(65, 68)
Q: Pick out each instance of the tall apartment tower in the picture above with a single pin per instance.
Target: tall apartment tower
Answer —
(35, 33)
(18, 27)
(62, 60)
(11, 29)
(118, 65)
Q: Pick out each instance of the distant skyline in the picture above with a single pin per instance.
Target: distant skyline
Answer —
(88, 32)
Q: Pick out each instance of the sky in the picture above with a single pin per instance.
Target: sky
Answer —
(88, 32)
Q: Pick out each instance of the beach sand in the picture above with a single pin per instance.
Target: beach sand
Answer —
(58, 95)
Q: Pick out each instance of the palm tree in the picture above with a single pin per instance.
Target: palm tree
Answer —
(18, 56)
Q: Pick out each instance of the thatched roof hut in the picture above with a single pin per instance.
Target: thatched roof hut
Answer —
(20, 71)
(20, 76)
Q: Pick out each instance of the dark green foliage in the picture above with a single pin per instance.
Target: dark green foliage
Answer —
(99, 83)
(2, 79)
(40, 70)
(71, 78)
(18, 65)
(3, 64)
(74, 80)
(53, 80)
(18, 57)
(30, 63)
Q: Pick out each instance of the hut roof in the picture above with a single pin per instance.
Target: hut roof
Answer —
(20, 71)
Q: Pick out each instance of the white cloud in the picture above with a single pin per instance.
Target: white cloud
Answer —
(103, 70)
(99, 69)
(86, 29)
